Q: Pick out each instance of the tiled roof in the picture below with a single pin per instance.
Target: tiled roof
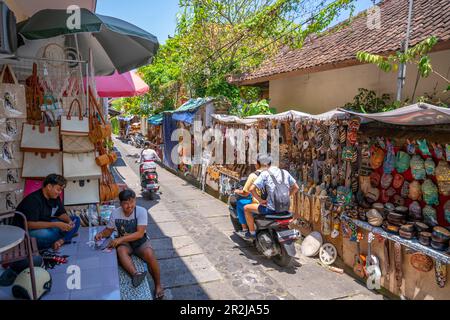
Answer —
(430, 17)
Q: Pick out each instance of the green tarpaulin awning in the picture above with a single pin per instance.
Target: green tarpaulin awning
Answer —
(156, 120)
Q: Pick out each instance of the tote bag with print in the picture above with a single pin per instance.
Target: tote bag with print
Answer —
(10, 180)
(12, 96)
(10, 155)
(10, 129)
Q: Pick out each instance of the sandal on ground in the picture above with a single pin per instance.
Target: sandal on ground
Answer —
(138, 278)
(58, 244)
(160, 296)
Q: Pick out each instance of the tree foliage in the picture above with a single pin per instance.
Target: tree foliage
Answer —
(417, 55)
(367, 101)
(218, 38)
(252, 109)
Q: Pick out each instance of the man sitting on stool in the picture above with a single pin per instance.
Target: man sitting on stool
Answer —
(47, 219)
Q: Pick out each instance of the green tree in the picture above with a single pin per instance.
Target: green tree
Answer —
(218, 38)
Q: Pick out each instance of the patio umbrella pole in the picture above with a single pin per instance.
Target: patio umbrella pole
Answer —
(81, 69)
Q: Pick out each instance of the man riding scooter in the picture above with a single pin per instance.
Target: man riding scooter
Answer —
(148, 154)
(269, 180)
(147, 169)
(269, 229)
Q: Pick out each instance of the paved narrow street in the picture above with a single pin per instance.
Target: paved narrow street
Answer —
(201, 258)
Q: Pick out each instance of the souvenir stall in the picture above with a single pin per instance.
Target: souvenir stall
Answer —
(47, 127)
(155, 133)
(224, 178)
(379, 202)
(51, 120)
(50, 117)
(401, 215)
(311, 149)
(199, 109)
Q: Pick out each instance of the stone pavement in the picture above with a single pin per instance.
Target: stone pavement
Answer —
(201, 258)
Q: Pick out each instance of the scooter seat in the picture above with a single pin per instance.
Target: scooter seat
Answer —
(274, 217)
(149, 166)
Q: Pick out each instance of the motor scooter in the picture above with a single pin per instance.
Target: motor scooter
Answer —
(149, 179)
(274, 239)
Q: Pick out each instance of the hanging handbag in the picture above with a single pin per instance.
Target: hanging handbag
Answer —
(40, 138)
(108, 189)
(102, 160)
(82, 192)
(9, 201)
(10, 180)
(10, 129)
(10, 155)
(34, 96)
(12, 95)
(75, 126)
(443, 177)
(41, 164)
(104, 157)
(50, 103)
(376, 157)
(77, 144)
(81, 166)
(99, 129)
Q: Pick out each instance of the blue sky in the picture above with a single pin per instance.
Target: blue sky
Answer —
(155, 16)
(159, 16)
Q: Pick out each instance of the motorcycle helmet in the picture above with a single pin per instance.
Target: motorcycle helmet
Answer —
(22, 288)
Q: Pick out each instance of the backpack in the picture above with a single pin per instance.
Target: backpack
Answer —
(280, 197)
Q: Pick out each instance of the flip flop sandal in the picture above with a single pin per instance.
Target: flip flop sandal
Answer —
(355, 183)
(326, 141)
(354, 124)
(138, 278)
(342, 135)
(160, 296)
(355, 157)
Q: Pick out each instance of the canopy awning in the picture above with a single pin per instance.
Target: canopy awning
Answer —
(333, 114)
(420, 114)
(187, 111)
(156, 120)
(223, 118)
(292, 114)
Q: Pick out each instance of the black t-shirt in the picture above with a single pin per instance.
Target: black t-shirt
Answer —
(37, 208)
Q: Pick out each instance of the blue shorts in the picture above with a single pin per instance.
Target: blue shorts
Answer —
(265, 211)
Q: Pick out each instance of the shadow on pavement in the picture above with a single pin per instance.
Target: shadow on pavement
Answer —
(250, 252)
